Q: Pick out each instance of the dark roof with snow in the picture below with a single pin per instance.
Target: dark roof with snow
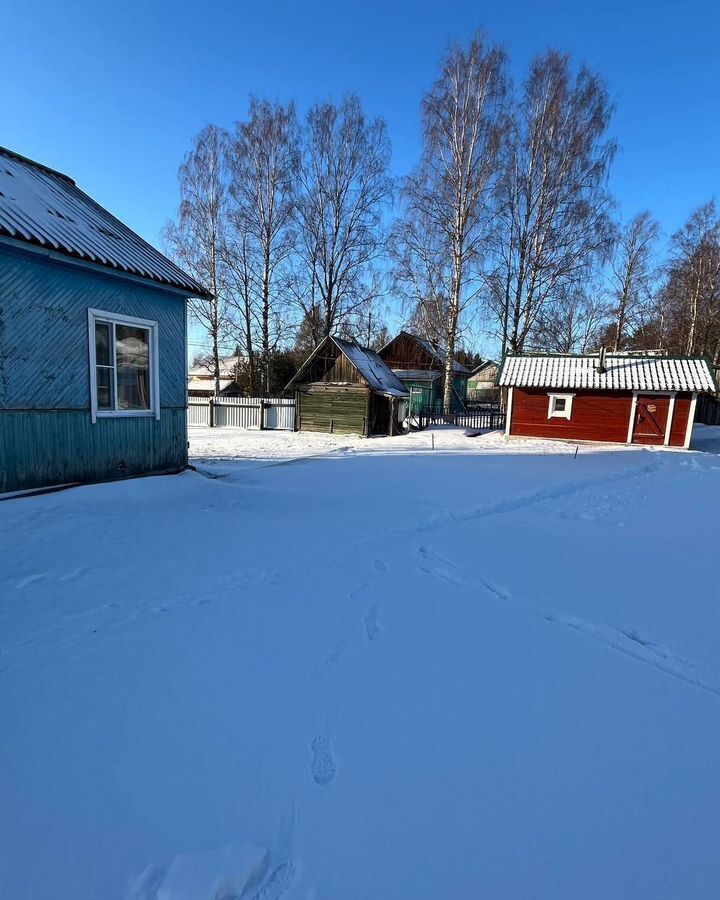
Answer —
(378, 375)
(46, 208)
(622, 372)
(484, 365)
(433, 350)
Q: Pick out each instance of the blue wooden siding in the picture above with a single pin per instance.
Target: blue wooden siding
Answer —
(46, 433)
(41, 447)
(44, 331)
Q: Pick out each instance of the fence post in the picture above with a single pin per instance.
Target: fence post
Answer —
(212, 413)
(262, 415)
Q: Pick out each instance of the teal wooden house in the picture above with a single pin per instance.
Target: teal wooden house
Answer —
(93, 343)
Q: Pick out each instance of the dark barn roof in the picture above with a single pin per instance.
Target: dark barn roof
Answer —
(431, 349)
(46, 208)
(376, 373)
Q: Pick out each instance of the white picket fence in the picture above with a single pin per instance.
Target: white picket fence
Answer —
(242, 412)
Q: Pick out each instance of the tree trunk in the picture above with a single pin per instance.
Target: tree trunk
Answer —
(266, 319)
(690, 346)
(249, 348)
(216, 356)
(450, 337)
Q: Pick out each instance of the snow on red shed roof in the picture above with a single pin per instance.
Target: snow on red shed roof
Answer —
(43, 207)
(622, 373)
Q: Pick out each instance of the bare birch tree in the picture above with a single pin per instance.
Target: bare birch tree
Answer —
(553, 201)
(631, 276)
(242, 278)
(573, 323)
(196, 238)
(344, 186)
(264, 162)
(440, 243)
(692, 289)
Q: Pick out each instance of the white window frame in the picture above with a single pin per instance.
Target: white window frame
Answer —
(101, 315)
(560, 413)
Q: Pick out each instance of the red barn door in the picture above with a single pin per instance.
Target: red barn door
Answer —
(651, 415)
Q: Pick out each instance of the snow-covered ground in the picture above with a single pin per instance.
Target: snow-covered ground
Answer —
(491, 671)
(213, 444)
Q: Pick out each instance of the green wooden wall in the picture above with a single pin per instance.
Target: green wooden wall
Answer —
(432, 394)
(333, 409)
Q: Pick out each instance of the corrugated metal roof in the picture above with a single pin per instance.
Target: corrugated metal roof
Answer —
(47, 209)
(622, 373)
(378, 375)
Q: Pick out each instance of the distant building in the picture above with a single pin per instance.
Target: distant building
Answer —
(420, 365)
(93, 342)
(481, 382)
(201, 380)
(343, 388)
(618, 398)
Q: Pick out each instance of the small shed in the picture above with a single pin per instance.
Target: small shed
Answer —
(93, 345)
(343, 388)
(619, 398)
(420, 365)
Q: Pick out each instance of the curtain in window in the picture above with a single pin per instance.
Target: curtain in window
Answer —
(132, 355)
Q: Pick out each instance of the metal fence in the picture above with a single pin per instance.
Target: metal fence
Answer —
(276, 413)
(490, 417)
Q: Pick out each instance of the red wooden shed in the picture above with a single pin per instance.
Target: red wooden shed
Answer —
(618, 398)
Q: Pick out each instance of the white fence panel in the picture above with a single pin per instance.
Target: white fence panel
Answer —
(280, 415)
(237, 413)
(242, 412)
(198, 412)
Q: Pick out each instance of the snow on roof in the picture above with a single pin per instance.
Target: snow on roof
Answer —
(228, 366)
(483, 367)
(43, 207)
(622, 372)
(417, 374)
(207, 384)
(378, 375)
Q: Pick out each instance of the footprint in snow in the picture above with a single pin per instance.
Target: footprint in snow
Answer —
(323, 767)
(372, 626)
(28, 580)
(380, 566)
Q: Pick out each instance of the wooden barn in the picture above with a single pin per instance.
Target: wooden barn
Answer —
(420, 365)
(93, 348)
(343, 388)
(621, 398)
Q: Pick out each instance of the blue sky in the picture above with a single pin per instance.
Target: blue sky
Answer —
(112, 93)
